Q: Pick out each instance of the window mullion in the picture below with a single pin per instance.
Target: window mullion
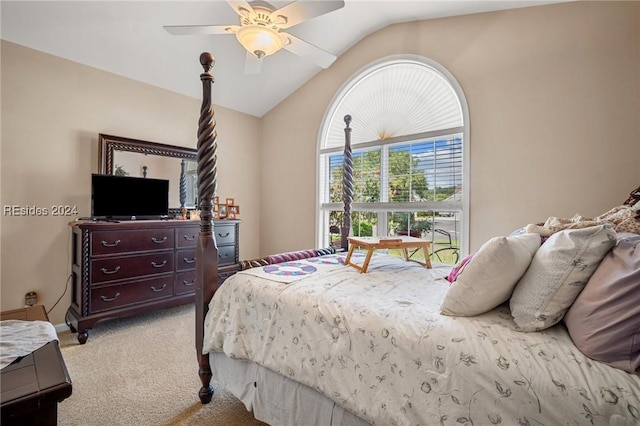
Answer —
(384, 174)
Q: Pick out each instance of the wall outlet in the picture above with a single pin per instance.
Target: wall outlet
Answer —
(30, 298)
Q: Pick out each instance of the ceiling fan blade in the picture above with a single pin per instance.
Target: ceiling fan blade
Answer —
(309, 51)
(200, 29)
(237, 5)
(300, 11)
(252, 64)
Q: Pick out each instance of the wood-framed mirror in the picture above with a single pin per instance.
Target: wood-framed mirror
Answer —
(132, 157)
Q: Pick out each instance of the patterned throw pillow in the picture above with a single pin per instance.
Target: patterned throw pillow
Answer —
(558, 272)
(488, 279)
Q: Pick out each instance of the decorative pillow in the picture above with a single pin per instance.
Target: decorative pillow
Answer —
(488, 279)
(453, 274)
(558, 272)
(604, 321)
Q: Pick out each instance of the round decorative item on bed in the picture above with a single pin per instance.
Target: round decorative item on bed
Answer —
(558, 272)
(488, 279)
(604, 321)
(290, 269)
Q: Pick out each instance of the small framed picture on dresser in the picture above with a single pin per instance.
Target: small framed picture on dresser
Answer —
(231, 215)
(233, 209)
(230, 201)
(216, 200)
(222, 211)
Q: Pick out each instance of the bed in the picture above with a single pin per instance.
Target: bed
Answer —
(303, 339)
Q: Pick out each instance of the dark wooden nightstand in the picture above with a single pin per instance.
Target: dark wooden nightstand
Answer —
(33, 385)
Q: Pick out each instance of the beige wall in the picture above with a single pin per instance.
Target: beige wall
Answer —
(53, 110)
(553, 95)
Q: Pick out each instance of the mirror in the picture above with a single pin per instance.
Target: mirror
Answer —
(132, 157)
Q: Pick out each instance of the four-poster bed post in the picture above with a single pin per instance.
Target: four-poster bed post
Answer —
(347, 184)
(206, 250)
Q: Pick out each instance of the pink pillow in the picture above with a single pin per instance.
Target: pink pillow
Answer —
(604, 320)
(458, 268)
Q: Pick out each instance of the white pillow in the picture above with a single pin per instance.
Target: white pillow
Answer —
(488, 279)
(557, 274)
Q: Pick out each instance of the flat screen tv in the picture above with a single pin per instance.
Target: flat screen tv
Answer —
(128, 198)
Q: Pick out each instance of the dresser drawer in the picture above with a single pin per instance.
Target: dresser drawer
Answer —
(115, 296)
(227, 255)
(185, 282)
(121, 268)
(185, 259)
(129, 241)
(187, 237)
(225, 234)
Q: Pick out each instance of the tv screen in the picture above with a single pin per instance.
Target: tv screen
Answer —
(125, 197)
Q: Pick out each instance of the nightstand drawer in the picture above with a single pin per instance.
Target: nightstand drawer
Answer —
(120, 268)
(115, 296)
(130, 241)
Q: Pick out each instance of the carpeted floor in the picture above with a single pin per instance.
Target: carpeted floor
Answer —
(142, 371)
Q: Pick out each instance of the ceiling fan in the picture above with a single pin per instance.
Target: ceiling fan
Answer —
(260, 28)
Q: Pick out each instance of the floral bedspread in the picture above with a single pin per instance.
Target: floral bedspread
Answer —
(376, 344)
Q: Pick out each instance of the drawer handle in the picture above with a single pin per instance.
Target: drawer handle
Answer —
(106, 244)
(193, 259)
(156, 289)
(157, 241)
(224, 236)
(108, 272)
(159, 265)
(190, 237)
(109, 299)
(223, 255)
(188, 283)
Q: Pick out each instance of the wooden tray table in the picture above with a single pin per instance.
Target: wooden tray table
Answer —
(376, 243)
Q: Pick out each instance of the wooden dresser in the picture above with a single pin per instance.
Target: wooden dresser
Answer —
(133, 267)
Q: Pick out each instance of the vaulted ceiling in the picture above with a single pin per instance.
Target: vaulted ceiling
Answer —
(127, 38)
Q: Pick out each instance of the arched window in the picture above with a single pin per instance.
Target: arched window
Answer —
(409, 139)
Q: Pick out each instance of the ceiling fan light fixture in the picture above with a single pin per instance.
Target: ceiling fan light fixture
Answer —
(259, 40)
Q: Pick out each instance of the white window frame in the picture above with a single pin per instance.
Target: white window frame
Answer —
(322, 210)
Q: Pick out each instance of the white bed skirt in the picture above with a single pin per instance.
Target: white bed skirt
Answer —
(275, 399)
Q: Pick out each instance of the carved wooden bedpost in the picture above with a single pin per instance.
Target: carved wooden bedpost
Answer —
(347, 184)
(183, 184)
(206, 251)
